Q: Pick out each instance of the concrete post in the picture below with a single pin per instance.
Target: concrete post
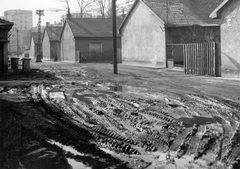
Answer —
(14, 63)
(26, 65)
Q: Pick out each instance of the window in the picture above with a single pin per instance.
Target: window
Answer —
(95, 47)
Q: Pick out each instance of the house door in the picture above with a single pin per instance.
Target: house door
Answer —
(175, 53)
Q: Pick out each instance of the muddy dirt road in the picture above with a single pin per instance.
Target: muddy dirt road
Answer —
(69, 115)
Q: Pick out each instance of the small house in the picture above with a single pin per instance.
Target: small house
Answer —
(5, 27)
(229, 13)
(153, 29)
(34, 45)
(51, 45)
(87, 37)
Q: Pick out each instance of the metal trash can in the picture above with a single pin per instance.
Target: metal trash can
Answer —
(26, 65)
(14, 63)
(170, 63)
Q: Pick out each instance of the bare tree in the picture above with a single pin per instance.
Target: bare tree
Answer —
(84, 5)
(102, 6)
(67, 2)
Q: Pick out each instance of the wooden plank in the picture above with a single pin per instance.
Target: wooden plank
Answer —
(184, 58)
(214, 58)
(206, 61)
(202, 57)
(195, 59)
(210, 59)
(191, 56)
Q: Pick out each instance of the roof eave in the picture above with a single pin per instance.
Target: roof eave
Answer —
(214, 13)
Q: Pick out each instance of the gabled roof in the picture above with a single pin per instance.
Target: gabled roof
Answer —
(53, 32)
(181, 12)
(185, 12)
(92, 27)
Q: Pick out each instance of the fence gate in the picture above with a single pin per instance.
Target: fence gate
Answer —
(200, 58)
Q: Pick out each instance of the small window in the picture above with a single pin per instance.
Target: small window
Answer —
(95, 47)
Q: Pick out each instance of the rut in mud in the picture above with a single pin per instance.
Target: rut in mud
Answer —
(96, 125)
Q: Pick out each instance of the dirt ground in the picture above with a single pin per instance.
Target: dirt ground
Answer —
(70, 115)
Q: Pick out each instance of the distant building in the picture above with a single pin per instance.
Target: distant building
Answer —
(51, 42)
(87, 38)
(84, 15)
(5, 26)
(34, 44)
(23, 21)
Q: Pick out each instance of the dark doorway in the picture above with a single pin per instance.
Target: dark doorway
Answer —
(175, 52)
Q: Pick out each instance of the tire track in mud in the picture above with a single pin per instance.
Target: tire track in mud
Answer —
(132, 126)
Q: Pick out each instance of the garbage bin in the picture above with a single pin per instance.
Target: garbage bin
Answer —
(26, 65)
(14, 63)
(170, 63)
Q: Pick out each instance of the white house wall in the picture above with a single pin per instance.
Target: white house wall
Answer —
(31, 50)
(230, 38)
(67, 44)
(143, 38)
(46, 47)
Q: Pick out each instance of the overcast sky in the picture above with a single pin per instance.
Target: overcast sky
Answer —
(46, 5)
(35, 5)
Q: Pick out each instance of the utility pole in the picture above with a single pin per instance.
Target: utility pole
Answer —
(39, 56)
(115, 70)
(17, 43)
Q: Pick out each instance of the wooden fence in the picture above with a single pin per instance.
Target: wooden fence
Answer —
(88, 57)
(200, 58)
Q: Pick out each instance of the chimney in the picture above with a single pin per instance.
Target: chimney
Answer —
(47, 24)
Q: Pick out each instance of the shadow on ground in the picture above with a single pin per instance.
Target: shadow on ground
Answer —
(34, 74)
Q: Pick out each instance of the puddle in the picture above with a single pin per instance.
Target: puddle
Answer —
(66, 148)
(56, 93)
(87, 98)
(119, 88)
(74, 164)
(201, 120)
(77, 165)
(116, 88)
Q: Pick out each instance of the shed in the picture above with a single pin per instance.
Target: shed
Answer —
(51, 45)
(153, 28)
(34, 45)
(5, 27)
(87, 36)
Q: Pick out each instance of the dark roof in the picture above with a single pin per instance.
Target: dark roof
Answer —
(5, 23)
(181, 12)
(54, 32)
(92, 27)
(185, 12)
(35, 37)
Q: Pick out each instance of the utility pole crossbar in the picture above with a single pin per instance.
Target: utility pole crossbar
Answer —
(39, 56)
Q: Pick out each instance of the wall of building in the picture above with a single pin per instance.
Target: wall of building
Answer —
(23, 21)
(46, 47)
(143, 38)
(32, 50)
(82, 44)
(67, 44)
(230, 38)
